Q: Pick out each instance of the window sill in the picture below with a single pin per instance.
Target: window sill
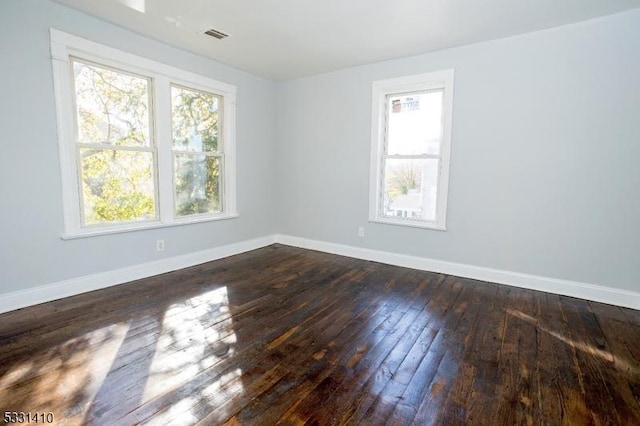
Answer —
(408, 223)
(95, 232)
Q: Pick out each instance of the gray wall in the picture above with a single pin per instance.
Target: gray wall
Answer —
(544, 179)
(31, 251)
(545, 151)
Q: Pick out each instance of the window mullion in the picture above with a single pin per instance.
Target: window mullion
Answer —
(162, 125)
(104, 146)
(228, 150)
(201, 153)
(412, 156)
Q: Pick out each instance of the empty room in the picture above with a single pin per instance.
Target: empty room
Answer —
(422, 212)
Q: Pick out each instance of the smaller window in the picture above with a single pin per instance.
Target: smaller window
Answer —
(411, 138)
(197, 151)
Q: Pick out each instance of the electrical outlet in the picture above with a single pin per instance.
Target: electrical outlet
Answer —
(160, 245)
(361, 232)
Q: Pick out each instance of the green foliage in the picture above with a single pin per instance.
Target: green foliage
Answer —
(194, 117)
(118, 183)
(117, 186)
(113, 110)
(197, 184)
(112, 106)
(402, 178)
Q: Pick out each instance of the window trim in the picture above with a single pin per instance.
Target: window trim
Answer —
(414, 83)
(64, 46)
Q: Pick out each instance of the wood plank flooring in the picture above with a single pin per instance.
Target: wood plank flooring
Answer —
(288, 336)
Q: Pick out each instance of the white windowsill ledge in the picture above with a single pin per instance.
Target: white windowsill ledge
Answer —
(409, 223)
(89, 232)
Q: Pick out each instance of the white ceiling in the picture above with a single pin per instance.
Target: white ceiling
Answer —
(287, 39)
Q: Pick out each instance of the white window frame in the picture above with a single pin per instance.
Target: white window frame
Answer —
(438, 80)
(64, 46)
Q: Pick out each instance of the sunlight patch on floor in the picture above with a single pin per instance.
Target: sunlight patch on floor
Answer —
(225, 388)
(64, 378)
(619, 362)
(196, 335)
(177, 414)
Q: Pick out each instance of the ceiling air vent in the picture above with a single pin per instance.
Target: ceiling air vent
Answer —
(217, 34)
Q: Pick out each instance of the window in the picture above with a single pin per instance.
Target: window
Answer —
(142, 144)
(197, 155)
(411, 134)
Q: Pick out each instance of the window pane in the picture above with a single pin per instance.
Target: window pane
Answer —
(195, 120)
(410, 188)
(197, 184)
(111, 107)
(117, 185)
(415, 123)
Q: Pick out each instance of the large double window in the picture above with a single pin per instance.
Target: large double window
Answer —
(411, 137)
(142, 144)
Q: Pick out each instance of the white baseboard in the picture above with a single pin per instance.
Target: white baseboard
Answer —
(597, 293)
(74, 286)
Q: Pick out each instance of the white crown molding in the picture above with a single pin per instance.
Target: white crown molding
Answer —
(597, 293)
(74, 286)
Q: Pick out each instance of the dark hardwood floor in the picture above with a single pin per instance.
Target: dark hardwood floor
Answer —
(291, 336)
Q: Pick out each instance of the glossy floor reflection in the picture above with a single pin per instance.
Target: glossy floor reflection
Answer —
(290, 336)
